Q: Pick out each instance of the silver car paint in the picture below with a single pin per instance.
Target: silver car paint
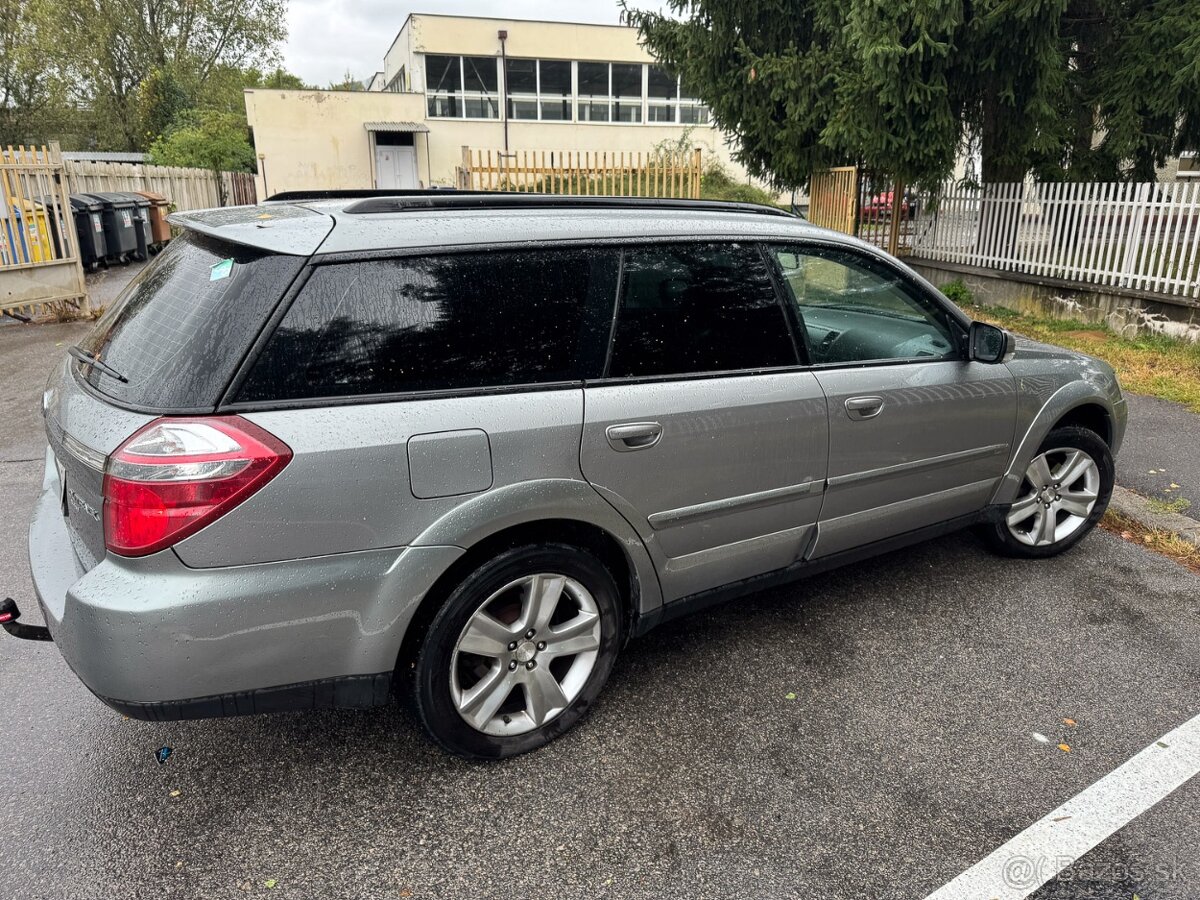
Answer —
(934, 451)
(319, 574)
(732, 488)
(150, 630)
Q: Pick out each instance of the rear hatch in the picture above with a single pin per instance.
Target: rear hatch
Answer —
(170, 345)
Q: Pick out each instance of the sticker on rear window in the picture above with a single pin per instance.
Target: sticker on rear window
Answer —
(220, 270)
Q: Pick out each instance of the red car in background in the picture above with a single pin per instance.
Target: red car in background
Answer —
(879, 207)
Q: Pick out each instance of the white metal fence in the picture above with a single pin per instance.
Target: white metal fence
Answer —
(1137, 236)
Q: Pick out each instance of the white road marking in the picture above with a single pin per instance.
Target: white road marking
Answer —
(1057, 840)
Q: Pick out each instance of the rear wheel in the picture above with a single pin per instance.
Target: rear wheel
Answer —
(518, 652)
(1064, 493)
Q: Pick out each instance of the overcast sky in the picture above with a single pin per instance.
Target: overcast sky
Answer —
(327, 37)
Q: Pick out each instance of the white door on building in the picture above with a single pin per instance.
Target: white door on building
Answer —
(396, 168)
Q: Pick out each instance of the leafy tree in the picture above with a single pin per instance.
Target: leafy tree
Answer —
(1133, 98)
(31, 91)
(278, 78)
(347, 83)
(137, 63)
(161, 99)
(1102, 87)
(207, 139)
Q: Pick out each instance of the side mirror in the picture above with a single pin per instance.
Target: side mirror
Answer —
(989, 344)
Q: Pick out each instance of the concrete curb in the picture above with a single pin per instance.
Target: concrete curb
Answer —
(1138, 508)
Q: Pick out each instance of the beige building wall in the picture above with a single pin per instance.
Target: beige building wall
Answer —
(316, 140)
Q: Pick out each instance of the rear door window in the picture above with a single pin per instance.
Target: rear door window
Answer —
(182, 327)
(695, 308)
(472, 320)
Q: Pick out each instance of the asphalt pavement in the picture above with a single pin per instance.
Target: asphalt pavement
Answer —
(866, 733)
(1161, 456)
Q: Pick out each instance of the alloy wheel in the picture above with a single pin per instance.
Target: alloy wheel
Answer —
(1057, 495)
(525, 654)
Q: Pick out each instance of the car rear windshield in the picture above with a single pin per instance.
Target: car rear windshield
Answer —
(179, 330)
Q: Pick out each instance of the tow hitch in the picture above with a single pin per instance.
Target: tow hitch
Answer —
(8, 621)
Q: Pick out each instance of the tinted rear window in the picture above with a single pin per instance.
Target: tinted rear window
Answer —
(441, 322)
(182, 326)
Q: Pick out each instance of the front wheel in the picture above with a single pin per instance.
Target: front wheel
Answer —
(518, 652)
(1064, 493)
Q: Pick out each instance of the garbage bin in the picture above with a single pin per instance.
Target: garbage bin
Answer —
(26, 232)
(141, 221)
(160, 230)
(119, 215)
(58, 218)
(89, 225)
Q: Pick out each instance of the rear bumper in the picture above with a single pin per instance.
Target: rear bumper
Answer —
(156, 639)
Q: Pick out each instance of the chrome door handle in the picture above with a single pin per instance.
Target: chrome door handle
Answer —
(864, 407)
(633, 435)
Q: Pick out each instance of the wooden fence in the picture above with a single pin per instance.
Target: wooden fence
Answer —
(1139, 236)
(595, 173)
(40, 272)
(833, 199)
(872, 207)
(184, 188)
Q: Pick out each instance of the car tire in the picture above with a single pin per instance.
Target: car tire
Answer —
(485, 686)
(1064, 493)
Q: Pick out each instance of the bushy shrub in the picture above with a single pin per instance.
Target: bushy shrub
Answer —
(957, 292)
(716, 184)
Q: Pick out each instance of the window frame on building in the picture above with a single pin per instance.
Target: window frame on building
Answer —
(677, 104)
(398, 84)
(610, 109)
(539, 100)
(609, 101)
(459, 99)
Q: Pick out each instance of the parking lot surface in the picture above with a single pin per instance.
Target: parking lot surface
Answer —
(865, 733)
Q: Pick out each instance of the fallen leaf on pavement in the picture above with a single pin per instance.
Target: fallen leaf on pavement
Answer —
(1065, 748)
(1070, 722)
(270, 883)
(790, 695)
(176, 793)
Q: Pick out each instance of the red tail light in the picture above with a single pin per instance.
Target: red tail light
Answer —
(175, 476)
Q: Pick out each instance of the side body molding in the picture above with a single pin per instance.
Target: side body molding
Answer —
(536, 501)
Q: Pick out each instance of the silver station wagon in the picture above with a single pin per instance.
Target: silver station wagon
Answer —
(462, 447)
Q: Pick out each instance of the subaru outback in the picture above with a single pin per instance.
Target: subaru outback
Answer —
(462, 447)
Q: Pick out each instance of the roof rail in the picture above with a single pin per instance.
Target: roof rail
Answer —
(359, 193)
(400, 201)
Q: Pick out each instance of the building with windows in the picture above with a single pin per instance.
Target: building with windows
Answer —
(501, 85)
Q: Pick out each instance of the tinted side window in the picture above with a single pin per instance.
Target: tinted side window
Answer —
(853, 309)
(690, 308)
(441, 322)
